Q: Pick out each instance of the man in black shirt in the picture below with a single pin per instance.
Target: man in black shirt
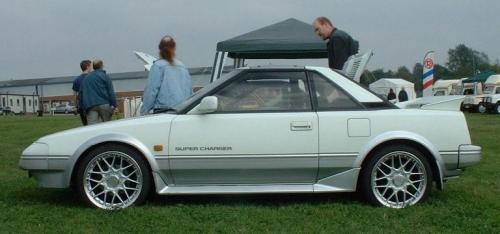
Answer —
(339, 46)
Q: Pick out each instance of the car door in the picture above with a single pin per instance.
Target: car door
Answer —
(264, 132)
(344, 126)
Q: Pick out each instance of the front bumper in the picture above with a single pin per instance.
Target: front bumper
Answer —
(48, 171)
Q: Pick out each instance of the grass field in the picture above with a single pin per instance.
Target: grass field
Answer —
(470, 204)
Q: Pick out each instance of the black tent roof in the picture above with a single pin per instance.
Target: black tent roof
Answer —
(289, 39)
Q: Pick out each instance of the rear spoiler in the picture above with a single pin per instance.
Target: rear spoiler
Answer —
(448, 103)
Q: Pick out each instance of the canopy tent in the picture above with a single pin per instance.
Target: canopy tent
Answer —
(383, 85)
(481, 77)
(289, 39)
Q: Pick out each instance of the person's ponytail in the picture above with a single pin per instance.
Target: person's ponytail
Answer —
(167, 49)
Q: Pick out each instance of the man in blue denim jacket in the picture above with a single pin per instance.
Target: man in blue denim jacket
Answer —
(169, 82)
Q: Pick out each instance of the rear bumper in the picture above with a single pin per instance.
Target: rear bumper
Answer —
(468, 155)
(456, 161)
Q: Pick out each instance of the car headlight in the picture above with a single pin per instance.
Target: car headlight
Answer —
(37, 148)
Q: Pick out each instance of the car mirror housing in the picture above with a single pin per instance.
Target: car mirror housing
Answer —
(208, 105)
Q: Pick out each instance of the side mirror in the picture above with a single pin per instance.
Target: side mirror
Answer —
(208, 104)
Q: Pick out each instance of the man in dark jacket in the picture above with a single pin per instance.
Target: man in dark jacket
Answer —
(98, 95)
(339, 46)
(391, 95)
(85, 65)
(402, 95)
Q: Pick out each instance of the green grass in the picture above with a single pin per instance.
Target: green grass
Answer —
(470, 204)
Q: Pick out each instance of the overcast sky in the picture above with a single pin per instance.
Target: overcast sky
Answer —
(49, 38)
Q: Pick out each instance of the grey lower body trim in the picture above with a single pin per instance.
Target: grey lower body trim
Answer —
(342, 182)
(48, 171)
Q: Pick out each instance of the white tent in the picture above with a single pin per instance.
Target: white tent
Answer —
(383, 85)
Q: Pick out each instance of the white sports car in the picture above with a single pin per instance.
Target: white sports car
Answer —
(262, 130)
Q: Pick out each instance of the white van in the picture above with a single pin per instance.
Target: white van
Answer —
(446, 87)
(491, 100)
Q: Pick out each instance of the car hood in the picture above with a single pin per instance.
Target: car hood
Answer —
(124, 126)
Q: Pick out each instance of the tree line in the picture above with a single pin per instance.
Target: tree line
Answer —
(462, 62)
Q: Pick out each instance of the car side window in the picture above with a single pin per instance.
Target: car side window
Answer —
(498, 90)
(329, 96)
(269, 91)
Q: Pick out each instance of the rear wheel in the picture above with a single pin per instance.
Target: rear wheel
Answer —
(113, 177)
(396, 176)
(497, 108)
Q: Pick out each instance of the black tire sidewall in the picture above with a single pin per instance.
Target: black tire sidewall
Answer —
(366, 186)
(134, 154)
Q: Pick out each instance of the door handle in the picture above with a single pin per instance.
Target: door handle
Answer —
(300, 126)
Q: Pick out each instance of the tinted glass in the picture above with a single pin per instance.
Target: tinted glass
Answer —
(329, 96)
(266, 91)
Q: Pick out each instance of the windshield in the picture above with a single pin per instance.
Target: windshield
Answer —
(206, 89)
(489, 89)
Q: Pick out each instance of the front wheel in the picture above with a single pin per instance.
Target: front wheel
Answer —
(113, 177)
(396, 176)
(497, 108)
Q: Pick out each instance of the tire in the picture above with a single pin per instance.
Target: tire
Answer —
(383, 183)
(481, 108)
(113, 176)
(497, 108)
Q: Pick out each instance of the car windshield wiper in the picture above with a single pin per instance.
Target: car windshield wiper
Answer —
(165, 110)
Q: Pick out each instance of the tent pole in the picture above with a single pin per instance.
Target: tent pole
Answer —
(214, 67)
(222, 59)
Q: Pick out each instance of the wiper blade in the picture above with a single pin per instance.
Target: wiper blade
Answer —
(164, 110)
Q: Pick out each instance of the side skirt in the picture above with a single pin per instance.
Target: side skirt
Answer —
(342, 182)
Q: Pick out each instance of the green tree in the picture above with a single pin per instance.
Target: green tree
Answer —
(418, 70)
(464, 61)
(404, 73)
(442, 73)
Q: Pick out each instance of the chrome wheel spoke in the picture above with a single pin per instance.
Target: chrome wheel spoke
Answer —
(131, 180)
(129, 188)
(118, 196)
(406, 192)
(381, 171)
(96, 195)
(131, 173)
(93, 180)
(416, 181)
(381, 178)
(383, 163)
(123, 168)
(126, 194)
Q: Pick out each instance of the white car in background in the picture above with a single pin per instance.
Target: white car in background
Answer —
(65, 109)
(262, 130)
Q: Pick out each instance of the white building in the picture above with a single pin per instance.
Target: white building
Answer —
(19, 103)
(21, 95)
